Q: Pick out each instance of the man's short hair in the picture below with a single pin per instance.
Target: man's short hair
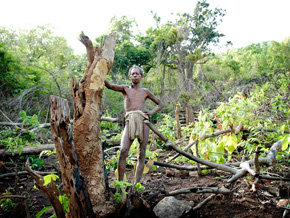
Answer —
(135, 67)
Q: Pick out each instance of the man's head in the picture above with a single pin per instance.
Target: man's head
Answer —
(134, 68)
(135, 74)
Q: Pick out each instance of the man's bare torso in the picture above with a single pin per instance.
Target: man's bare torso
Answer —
(134, 99)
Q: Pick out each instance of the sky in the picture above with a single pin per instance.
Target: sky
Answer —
(245, 22)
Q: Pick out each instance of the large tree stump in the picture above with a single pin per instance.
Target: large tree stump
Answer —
(73, 183)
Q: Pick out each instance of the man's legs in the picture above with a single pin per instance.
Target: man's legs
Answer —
(142, 154)
(125, 146)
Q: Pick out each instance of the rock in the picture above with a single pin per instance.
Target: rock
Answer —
(170, 207)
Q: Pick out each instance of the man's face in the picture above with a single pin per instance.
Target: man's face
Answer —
(135, 76)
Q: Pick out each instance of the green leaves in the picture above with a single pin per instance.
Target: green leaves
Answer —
(229, 143)
(139, 187)
(285, 142)
(48, 178)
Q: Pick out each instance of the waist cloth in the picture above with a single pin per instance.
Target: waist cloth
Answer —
(135, 123)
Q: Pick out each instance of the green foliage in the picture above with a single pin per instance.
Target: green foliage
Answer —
(63, 199)
(29, 120)
(6, 204)
(34, 64)
(121, 187)
(168, 127)
(16, 138)
(48, 178)
(43, 210)
(259, 111)
(35, 162)
(139, 187)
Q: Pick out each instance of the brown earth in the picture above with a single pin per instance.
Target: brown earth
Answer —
(241, 203)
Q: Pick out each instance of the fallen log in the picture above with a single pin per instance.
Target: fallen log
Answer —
(47, 125)
(27, 150)
(24, 173)
(38, 149)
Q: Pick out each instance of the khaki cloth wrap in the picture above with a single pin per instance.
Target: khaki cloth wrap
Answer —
(135, 120)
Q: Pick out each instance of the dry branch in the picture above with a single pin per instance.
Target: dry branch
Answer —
(47, 125)
(23, 173)
(196, 159)
(50, 191)
(204, 202)
(190, 168)
(199, 190)
(185, 149)
(238, 173)
(274, 178)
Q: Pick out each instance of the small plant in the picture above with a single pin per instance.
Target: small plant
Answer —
(121, 187)
(6, 204)
(139, 187)
(35, 162)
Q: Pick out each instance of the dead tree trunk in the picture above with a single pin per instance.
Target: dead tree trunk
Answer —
(73, 182)
(87, 97)
(79, 149)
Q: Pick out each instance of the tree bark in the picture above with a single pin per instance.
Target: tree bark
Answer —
(73, 182)
(86, 123)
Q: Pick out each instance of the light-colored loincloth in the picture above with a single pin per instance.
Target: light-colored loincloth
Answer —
(135, 122)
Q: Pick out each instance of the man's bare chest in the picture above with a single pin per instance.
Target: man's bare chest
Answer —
(133, 94)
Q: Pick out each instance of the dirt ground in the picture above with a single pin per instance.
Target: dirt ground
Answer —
(241, 203)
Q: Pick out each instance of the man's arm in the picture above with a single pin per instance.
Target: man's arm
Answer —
(156, 100)
(118, 88)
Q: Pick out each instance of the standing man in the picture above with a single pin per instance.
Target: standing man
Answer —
(136, 113)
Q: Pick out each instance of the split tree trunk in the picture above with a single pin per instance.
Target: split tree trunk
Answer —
(87, 97)
(73, 183)
(79, 149)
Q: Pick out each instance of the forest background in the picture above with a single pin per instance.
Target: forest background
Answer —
(214, 91)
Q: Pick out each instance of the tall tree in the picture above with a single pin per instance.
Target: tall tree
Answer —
(199, 32)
